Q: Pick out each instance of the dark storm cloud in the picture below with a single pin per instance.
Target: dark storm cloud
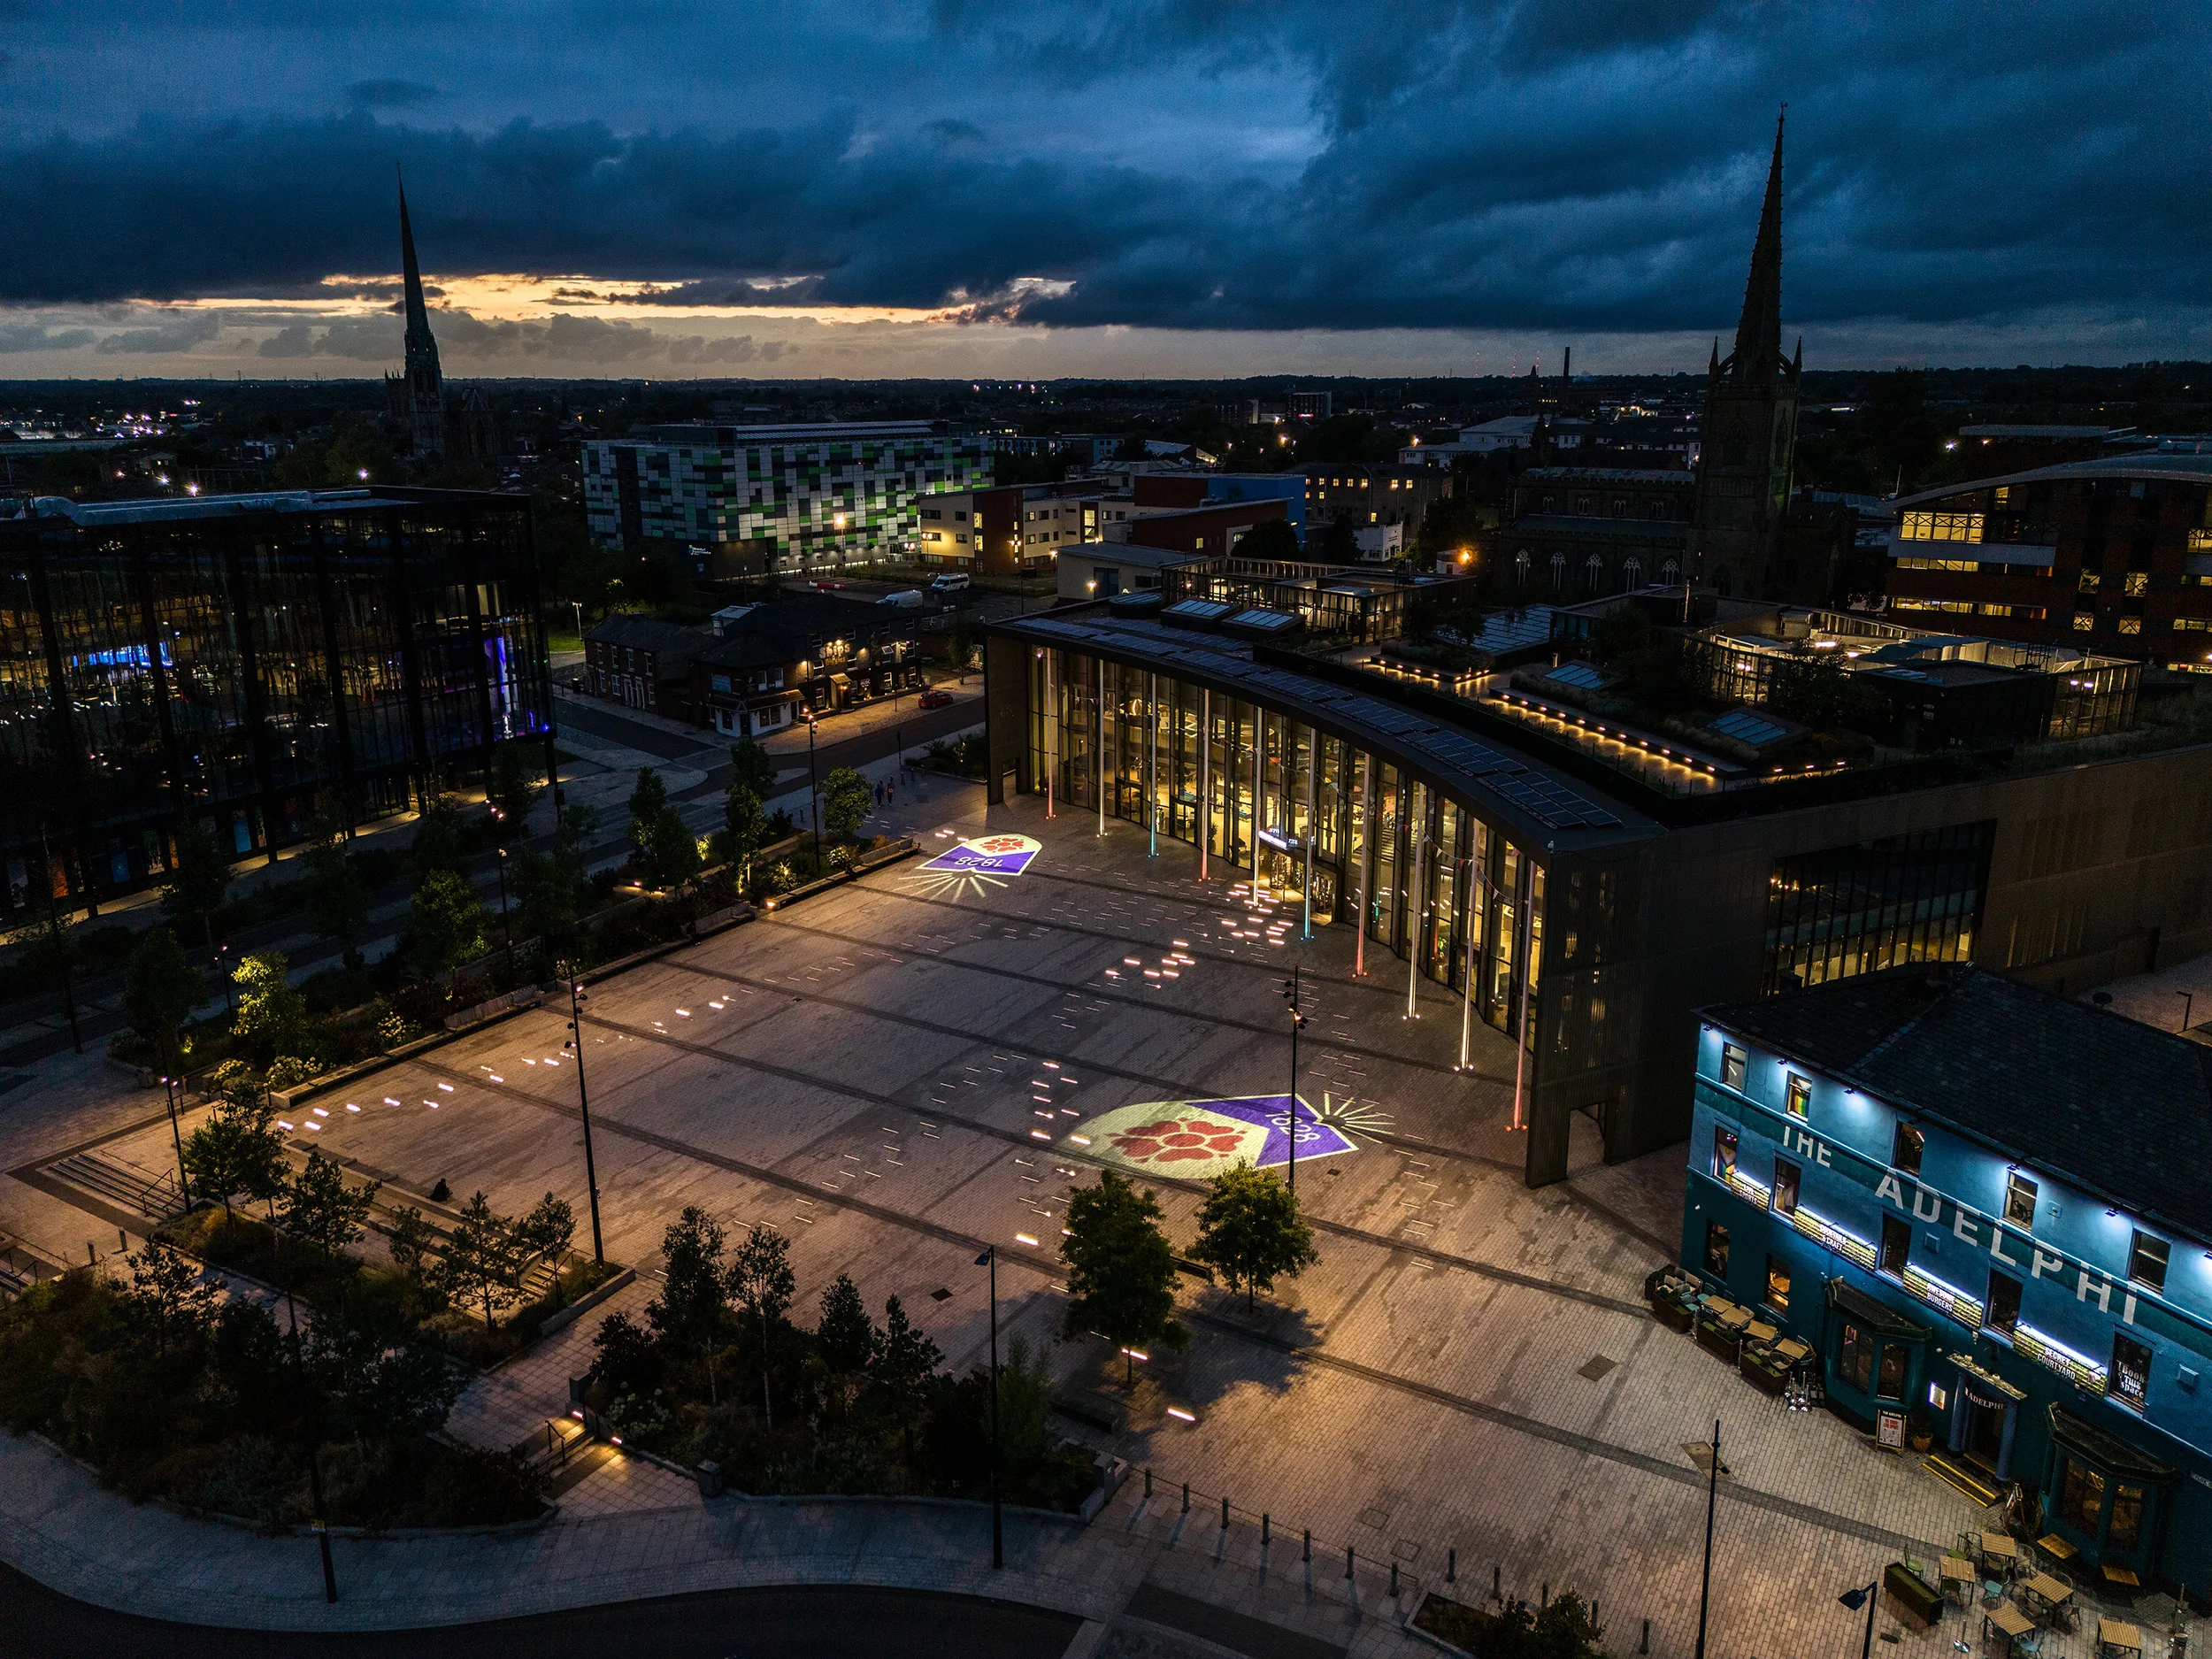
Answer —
(37, 337)
(389, 94)
(1501, 164)
(180, 333)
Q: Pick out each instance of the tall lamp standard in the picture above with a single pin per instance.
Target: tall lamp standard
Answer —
(170, 1088)
(1296, 1020)
(575, 1045)
(998, 1532)
(814, 790)
(1712, 1495)
(1865, 1596)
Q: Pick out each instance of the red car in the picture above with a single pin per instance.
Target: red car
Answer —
(829, 587)
(934, 699)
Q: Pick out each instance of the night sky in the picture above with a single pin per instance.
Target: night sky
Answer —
(656, 188)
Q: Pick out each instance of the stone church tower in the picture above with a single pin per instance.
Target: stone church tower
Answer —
(1750, 431)
(418, 398)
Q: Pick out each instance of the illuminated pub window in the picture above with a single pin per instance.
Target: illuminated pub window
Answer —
(2004, 1303)
(1855, 1362)
(1731, 1065)
(1786, 1174)
(1905, 1153)
(2146, 1261)
(1724, 1154)
(1717, 1250)
(2020, 1199)
(1799, 1095)
(2081, 1496)
(1777, 1284)
(1939, 526)
(2130, 1374)
(1897, 899)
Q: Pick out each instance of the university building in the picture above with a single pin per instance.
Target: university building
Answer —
(228, 660)
(1981, 1206)
(1580, 886)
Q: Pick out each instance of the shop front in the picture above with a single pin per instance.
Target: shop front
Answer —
(1875, 1357)
(2104, 1496)
(1984, 1418)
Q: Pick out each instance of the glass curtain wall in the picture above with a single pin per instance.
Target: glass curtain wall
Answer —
(1274, 784)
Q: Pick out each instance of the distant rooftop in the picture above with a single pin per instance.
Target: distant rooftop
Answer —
(148, 509)
(716, 436)
(2189, 468)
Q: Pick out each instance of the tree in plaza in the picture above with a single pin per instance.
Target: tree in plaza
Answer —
(411, 1242)
(159, 990)
(479, 1260)
(905, 1363)
(1121, 1272)
(646, 801)
(752, 767)
(845, 1335)
(199, 877)
(321, 1210)
(545, 1235)
(960, 644)
(1250, 1231)
(761, 1282)
(747, 827)
(513, 790)
(271, 1017)
(337, 898)
(237, 1150)
(847, 800)
(445, 923)
(441, 841)
(548, 885)
(694, 1303)
(381, 1372)
(166, 1295)
(672, 851)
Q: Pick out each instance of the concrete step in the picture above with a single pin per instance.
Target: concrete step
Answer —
(1961, 1475)
(154, 1197)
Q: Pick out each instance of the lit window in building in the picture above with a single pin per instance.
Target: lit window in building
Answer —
(1896, 1246)
(2146, 1261)
(2081, 1496)
(1941, 527)
(1855, 1357)
(2131, 625)
(1723, 1154)
(2020, 1194)
(1799, 1095)
(1733, 1062)
(2131, 1375)
(1777, 1284)
(2126, 1529)
(1717, 1250)
(1905, 1154)
(2004, 1303)
(1786, 1184)
(2083, 621)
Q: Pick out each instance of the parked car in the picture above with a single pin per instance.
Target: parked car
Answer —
(950, 582)
(934, 699)
(906, 599)
(829, 587)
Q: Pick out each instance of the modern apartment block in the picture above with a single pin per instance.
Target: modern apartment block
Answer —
(745, 500)
(2113, 555)
(1980, 1205)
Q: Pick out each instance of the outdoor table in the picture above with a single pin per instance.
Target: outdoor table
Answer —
(2008, 1621)
(2000, 1546)
(1759, 1332)
(2121, 1576)
(1793, 1350)
(2052, 1593)
(2052, 1545)
(1957, 1570)
(2116, 1636)
(1734, 1316)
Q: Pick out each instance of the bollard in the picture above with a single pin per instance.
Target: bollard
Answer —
(1265, 1534)
(1394, 1580)
(1593, 1615)
(1645, 1645)
(1545, 1602)
(1451, 1566)
(1224, 1515)
(1148, 1483)
(1348, 1561)
(1186, 1497)
(1308, 1555)
(1497, 1581)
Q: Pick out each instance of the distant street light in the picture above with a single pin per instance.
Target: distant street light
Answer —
(575, 1045)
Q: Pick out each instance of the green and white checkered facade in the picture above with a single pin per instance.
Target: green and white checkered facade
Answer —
(811, 495)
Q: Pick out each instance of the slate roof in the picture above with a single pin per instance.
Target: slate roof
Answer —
(675, 643)
(2119, 1109)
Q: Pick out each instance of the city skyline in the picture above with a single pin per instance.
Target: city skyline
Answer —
(1136, 191)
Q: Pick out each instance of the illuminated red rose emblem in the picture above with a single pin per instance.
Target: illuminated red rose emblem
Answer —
(1178, 1139)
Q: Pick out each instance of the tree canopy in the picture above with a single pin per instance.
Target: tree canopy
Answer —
(1250, 1232)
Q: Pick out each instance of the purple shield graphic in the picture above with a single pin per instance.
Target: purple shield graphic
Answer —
(988, 855)
(1315, 1138)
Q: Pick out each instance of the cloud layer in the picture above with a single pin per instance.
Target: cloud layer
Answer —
(1590, 166)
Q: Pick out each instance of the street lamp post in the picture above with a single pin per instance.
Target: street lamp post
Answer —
(2188, 1006)
(314, 1470)
(576, 1000)
(1866, 1596)
(998, 1532)
(1712, 1498)
(500, 865)
(1296, 1020)
(813, 792)
(170, 1086)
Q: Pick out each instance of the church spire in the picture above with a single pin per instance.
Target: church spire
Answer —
(1759, 333)
(425, 385)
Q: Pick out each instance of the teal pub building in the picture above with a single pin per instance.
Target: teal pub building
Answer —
(1985, 1207)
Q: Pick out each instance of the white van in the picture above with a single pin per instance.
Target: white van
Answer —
(907, 599)
(950, 582)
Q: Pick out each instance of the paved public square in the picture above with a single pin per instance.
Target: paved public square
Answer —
(900, 1072)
